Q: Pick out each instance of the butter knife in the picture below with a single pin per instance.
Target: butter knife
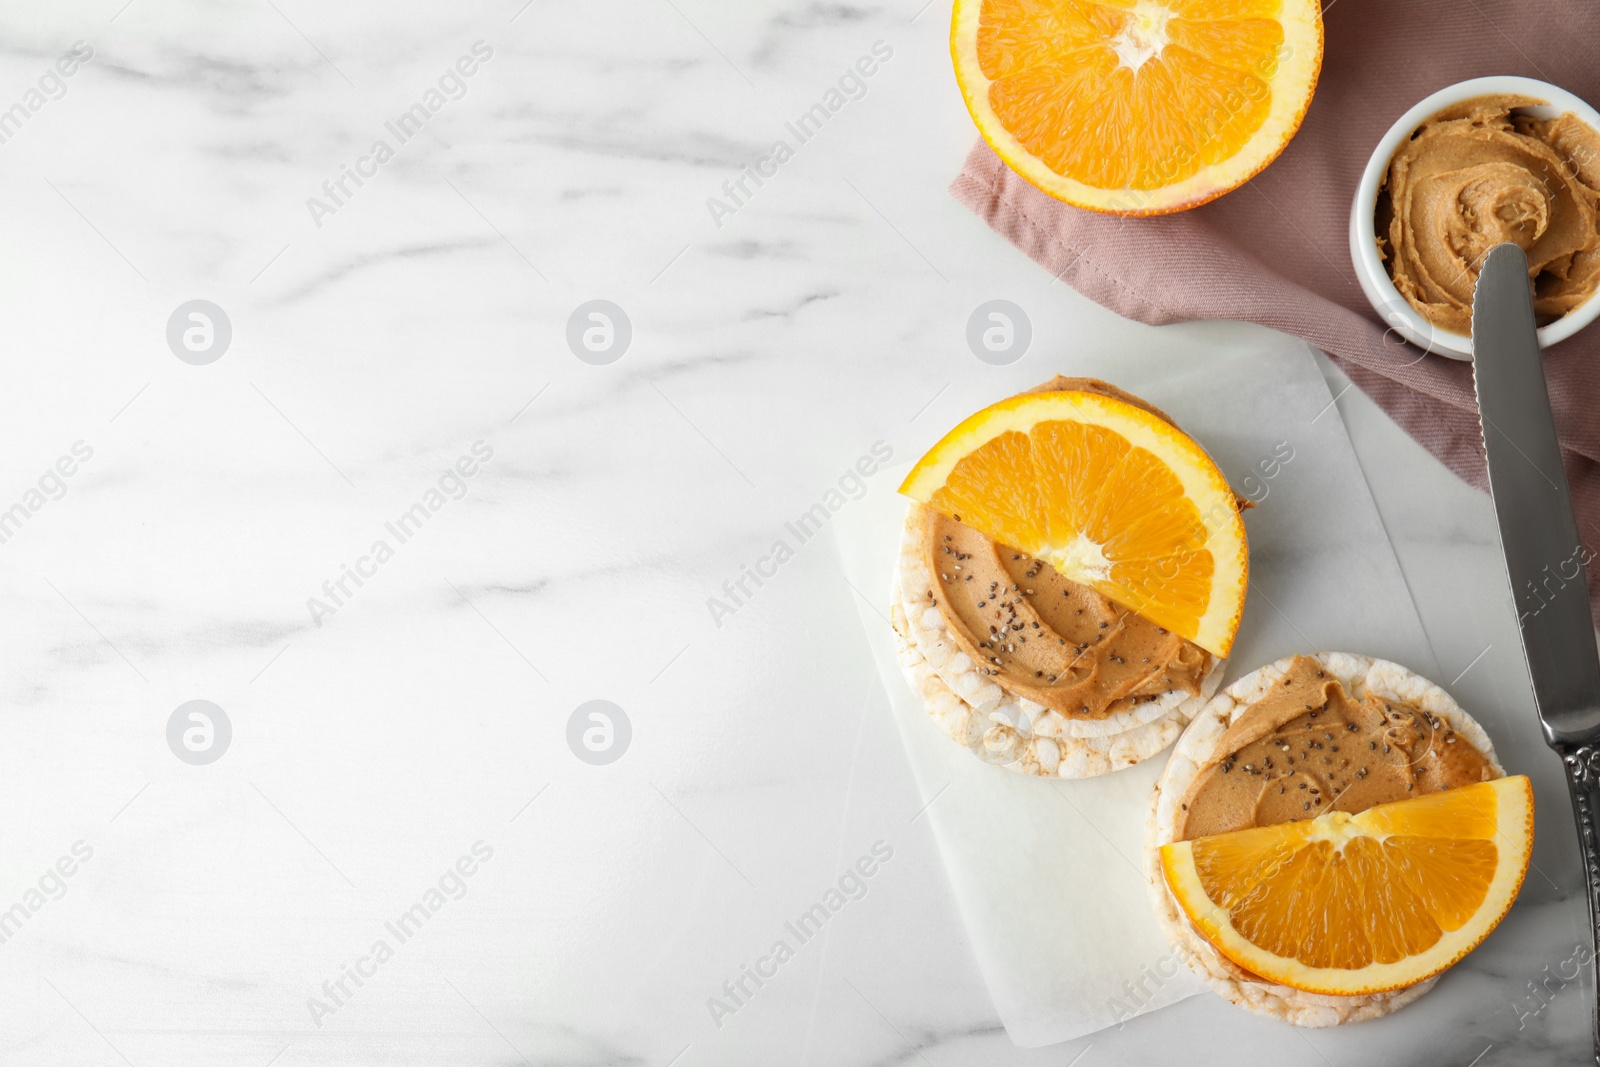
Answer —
(1539, 535)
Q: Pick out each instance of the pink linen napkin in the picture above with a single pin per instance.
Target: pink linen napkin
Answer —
(1276, 250)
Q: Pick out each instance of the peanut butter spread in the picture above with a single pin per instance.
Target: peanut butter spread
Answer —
(1044, 637)
(1308, 748)
(1477, 175)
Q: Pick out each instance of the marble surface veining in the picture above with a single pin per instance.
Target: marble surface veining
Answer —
(398, 532)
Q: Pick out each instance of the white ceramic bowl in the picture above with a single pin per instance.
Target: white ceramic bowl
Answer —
(1393, 308)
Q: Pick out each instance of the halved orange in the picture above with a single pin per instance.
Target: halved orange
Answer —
(1108, 494)
(1353, 904)
(1137, 107)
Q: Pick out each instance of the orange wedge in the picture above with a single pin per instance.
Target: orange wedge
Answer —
(1109, 495)
(1137, 107)
(1353, 904)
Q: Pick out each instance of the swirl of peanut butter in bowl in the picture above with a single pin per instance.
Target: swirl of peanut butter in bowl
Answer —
(1482, 173)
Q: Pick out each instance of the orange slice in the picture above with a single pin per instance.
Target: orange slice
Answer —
(1109, 495)
(1355, 904)
(1137, 107)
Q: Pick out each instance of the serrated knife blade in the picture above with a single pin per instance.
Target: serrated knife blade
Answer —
(1545, 560)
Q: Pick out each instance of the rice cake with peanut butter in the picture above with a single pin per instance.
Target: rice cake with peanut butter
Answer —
(1304, 736)
(1039, 662)
(1007, 738)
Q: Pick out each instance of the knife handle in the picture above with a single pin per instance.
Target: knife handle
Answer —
(1582, 763)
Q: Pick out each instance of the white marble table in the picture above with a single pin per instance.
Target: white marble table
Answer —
(391, 736)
